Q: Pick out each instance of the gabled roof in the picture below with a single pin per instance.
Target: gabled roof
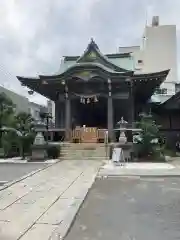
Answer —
(92, 54)
(172, 102)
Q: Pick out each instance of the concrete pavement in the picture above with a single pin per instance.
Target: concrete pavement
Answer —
(127, 208)
(45, 204)
(139, 169)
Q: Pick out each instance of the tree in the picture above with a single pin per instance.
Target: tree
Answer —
(6, 112)
(147, 143)
(24, 124)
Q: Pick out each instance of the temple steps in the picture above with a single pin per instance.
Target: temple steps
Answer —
(83, 151)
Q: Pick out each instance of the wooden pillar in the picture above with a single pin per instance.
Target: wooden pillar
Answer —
(57, 121)
(170, 122)
(52, 136)
(131, 103)
(67, 117)
(110, 118)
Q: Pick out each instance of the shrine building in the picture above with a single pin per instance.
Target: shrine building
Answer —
(93, 91)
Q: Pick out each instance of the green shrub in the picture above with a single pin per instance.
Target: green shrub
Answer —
(9, 144)
(148, 145)
(53, 151)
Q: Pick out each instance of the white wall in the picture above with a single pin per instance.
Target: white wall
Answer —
(129, 49)
(35, 110)
(160, 53)
(21, 102)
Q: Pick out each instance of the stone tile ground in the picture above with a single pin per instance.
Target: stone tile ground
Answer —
(45, 202)
(12, 171)
(129, 208)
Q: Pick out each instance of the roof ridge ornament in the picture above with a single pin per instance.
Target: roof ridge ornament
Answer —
(94, 43)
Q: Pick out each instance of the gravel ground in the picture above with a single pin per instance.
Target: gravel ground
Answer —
(129, 209)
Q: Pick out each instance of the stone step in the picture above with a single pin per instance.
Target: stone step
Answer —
(83, 151)
(85, 158)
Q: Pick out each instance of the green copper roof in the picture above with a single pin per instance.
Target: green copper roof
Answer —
(120, 62)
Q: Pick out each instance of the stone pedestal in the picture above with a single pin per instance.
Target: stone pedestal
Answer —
(38, 154)
(122, 138)
(39, 147)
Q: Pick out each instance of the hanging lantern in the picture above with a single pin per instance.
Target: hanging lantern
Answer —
(31, 92)
(95, 99)
(44, 82)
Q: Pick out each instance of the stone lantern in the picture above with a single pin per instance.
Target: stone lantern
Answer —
(122, 128)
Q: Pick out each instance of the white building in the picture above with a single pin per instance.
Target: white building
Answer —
(157, 52)
(21, 102)
(35, 110)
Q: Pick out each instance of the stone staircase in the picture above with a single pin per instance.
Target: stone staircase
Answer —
(83, 151)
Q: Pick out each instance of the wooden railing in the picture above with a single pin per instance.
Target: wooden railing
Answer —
(77, 135)
(101, 135)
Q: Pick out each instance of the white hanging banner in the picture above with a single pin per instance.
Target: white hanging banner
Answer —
(117, 155)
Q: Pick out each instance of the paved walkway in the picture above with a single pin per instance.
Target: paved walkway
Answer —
(19, 160)
(139, 169)
(46, 202)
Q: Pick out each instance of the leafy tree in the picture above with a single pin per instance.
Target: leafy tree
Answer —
(24, 124)
(147, 143)
(6, 112)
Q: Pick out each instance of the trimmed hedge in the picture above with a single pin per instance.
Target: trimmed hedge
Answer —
(53, 150)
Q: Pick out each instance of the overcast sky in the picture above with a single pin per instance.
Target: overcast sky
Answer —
(34, 35)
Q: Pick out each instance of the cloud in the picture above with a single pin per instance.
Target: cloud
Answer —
(35, 35)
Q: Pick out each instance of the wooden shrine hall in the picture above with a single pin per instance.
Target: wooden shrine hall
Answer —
(93, 91)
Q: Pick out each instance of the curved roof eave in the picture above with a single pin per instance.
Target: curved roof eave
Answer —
(88, 64)
(152, 74)
(20, 78)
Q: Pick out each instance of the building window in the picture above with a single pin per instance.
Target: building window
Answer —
(140, 61)
(161, 91)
